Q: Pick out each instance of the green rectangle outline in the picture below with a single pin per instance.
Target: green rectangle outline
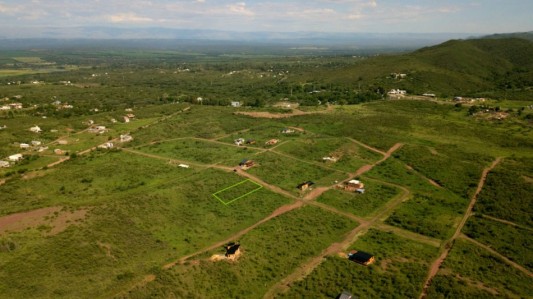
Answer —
(235, 185)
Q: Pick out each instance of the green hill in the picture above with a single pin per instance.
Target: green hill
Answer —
(494, 67)
(523, 35)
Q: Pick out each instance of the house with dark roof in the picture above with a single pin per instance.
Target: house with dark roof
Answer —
(233, 250)
(246, 164)
(361, 257)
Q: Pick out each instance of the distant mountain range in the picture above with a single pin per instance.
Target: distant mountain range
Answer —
(408, 41)
(523, 35)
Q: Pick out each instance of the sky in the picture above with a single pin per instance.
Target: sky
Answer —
(376, 16)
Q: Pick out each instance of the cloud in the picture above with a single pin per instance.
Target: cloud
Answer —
(128, 18)
(8, 9)
(240, 9)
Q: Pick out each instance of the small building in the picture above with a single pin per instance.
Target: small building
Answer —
(287, 131)
(361, 257)
(239, 141)
(4, 164)
(107, 145)
(330, 159)
(429, 95)
(353, 186)
(16, 105)
(246, 164)
(35, 142)
(183, 165)
(36, 129)
(305, 185)
(24, 145)
(125, 138)
(272, 142)
(126, 119)
(15, 157)
(233, 250)
(235, 104)
(63, 142)
(345, 295)
(58, 151)
(397, 92)
(42, 149)
(97, 129)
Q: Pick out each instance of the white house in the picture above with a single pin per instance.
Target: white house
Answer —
(36, 129)
(183, 165)
(107, 145)
(397, 91)
(235, 104)
(15, 157)
(5, 107)
(24, 145)
(35, 142)
(4, 164)
(125, 138)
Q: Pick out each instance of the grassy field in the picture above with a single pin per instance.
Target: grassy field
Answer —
(201, 151)
(432, 214)
(399, 271)
(270, 252)
(507, 192)
(510, 241)
(349, 155)
(143, 211)
(376, 195)
(287, 173)
(469, 271)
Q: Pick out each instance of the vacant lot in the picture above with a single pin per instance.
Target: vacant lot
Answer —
(399, 270)
(269, 253)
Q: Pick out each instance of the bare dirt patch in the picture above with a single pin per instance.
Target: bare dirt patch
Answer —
(65, 219)
(53, 217)
(264, 114)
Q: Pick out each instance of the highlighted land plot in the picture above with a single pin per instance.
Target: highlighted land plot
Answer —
(237, 191)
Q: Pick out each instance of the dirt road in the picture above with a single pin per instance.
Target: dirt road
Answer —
(280, 211)
(449, 243)
(305, 269)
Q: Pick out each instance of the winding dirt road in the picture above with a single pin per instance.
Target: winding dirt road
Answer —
(449, 243)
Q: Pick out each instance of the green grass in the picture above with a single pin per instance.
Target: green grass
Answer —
(287, 173)
(432, 214)
(399, 271)
(510, 241)
(202, 151)
(350, 155)
(269, 253)
(237, 191)
(97, 178)
(507, 192)
(460, 173)
(376, 195)
(471, 271)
